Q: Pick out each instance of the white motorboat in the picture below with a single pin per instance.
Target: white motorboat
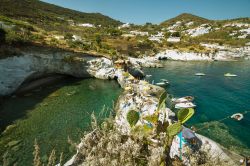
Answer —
(185, 105)
(237, 116)
(183, 99)
(165, 81)
(148, 76)
(161, 84)
(230, 75)
(200, 74)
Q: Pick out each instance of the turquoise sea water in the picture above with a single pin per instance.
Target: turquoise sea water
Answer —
(216, 97)
(50, 115)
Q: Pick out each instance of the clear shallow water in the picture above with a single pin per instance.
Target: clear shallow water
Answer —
(50, 115)
(216, 97)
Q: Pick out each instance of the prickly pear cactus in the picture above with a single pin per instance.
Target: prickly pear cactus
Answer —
(133, 117)
(162, 101)
(174, 129)
(185, 114)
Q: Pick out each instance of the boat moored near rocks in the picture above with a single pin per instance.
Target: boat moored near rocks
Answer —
(183, 99)
(185, 105)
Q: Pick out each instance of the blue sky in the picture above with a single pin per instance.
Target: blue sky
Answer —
(156, 11)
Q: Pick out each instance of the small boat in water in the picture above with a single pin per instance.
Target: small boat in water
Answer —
(230, 75)
(148, 76)
(183, 99)
(237, 116)
(200, 74)
(185, 105)
(161, 84)
(165, 81)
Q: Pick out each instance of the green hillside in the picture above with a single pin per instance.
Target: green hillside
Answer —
(44, 14)
(185, 17)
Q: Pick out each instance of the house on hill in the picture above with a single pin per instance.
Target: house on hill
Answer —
(88, 25)
(158, 37)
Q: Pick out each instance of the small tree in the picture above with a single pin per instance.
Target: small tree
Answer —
(98, 39)
(176, 34)
(114, 32)
(68, 36)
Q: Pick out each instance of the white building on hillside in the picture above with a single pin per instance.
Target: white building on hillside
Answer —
(189, 23)
(139, 33)
(174, 39)
(202, 29)
(176, 25)
(5, 26)
(86, 25)
(76, 38)
(128, 35)
(71, 22)
(127, 25)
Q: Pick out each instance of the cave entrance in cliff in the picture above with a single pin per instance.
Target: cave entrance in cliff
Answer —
(36, 81)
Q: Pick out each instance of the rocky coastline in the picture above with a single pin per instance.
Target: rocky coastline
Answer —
(141, 96)
(220, 53)
(138, 94)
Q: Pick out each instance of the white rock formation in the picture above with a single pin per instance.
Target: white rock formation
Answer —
(224, 53)
(15, 70)
(208, 146)
(101, 68)
(139, 33)
(183, 56)
(144, 62)
(237, 25)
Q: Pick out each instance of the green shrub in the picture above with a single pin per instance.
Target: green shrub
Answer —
(98, 39)
(114, 32)
(145, 44)
(68, 36)
(176, 34)
(15, 38)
